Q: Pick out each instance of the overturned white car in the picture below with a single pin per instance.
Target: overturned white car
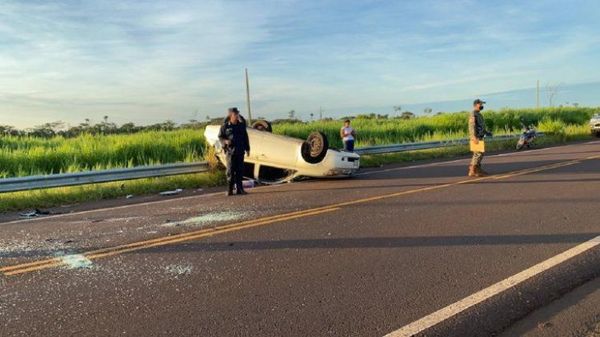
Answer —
(595, 125)
(275, 158)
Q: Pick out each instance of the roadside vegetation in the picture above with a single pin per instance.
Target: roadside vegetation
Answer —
(384, 130)
(31, 155)
(51, 148)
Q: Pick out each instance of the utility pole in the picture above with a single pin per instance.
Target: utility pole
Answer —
(248, 99)
(320, 113)
(537, 95)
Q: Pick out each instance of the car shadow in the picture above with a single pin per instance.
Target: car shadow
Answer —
(346, 243)
(381, 242)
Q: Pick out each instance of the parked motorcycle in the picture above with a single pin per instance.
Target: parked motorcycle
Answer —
(527, 138)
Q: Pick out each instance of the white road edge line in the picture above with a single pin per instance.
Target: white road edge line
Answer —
(56, 216)
(491, 291)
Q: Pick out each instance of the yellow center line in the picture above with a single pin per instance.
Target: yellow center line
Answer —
(160, 239)
(167, 241)
(537, 169)
(202, 233)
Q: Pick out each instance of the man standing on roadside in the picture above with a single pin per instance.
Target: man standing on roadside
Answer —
(348, 134)
(477, 132)
(234, 137)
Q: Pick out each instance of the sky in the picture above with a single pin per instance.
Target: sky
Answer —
(148, 61)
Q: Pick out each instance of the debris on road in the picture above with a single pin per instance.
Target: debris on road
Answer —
(129, 196)
(178, 270)
(76, 261)
(207, 219)
(173, 192)
(35, 213)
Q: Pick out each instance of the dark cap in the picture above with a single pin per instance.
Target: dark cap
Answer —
(234, 110)
(478, 101)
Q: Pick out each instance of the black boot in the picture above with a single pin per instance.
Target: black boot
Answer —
(229, 190)
(240, 190)
(239, 185)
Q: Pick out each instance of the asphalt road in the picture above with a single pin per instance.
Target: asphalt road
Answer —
(356, 257)
(576, 314)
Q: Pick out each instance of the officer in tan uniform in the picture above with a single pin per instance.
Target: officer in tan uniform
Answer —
(477, 132)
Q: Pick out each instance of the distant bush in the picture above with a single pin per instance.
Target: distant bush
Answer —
(552, 126)
(22, 155)
(374, 131)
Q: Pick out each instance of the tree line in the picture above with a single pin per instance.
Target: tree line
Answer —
(104, 127)
(107, 127)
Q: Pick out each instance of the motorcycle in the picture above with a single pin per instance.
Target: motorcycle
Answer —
(527, 138)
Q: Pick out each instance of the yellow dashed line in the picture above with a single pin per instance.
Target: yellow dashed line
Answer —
(135, 246)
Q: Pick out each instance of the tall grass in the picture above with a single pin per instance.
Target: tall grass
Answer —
(445, 126)
(22, 156)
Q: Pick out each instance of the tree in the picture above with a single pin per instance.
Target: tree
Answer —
(407, 115)
(128, 128)
(366, 116)
(10, 130)
(105, 127)
(428, 110)
(47, 130)
(551, 92)
(397, 109)
(292, 114)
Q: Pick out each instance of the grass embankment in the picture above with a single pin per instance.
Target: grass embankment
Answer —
(22, 156)
(445, 126)
(575, 133)
(69, 195)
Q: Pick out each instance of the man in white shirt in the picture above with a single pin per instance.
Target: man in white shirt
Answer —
(348, 134)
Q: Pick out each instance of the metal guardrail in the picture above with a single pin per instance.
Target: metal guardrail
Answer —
(382, 149)
(103, 176)
(91, 177)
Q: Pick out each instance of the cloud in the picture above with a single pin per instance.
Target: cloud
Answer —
(147, 61)
(136, 53)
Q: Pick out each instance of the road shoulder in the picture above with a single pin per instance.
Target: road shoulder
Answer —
(575, 314)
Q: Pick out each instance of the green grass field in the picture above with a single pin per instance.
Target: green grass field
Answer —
(23, 156)
(445, 126)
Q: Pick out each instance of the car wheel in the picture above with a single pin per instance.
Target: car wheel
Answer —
(262, 125)
(315, 147)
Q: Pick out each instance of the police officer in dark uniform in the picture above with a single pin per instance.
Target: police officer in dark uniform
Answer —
(234, 138)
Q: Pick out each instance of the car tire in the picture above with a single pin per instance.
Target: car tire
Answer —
(315, 147)
(262, 125)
